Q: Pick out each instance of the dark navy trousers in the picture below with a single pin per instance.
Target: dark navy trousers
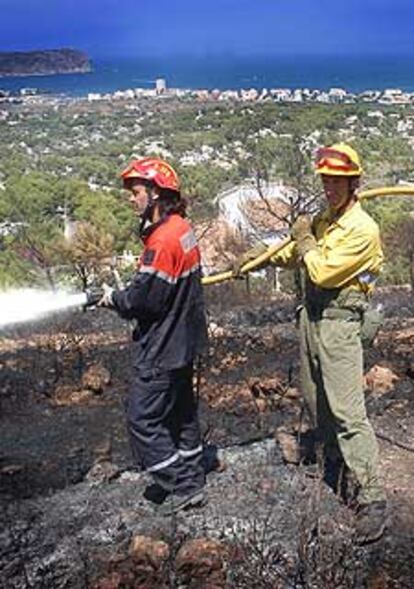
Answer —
(164, 428)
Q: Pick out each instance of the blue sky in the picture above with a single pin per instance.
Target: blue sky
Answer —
(210, 27)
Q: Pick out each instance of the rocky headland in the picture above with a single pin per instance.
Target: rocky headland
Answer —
(45, 62)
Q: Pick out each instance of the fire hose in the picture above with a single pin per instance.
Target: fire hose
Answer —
(94, 295)
(278, 246)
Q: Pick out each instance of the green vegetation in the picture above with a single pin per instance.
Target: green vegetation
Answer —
(60, 162)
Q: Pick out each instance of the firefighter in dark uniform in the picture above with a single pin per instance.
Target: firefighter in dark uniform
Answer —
(166, 300)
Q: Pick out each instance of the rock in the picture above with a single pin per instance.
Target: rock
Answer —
(289, 445)
(129, 476)
(202, 561)
(141, 568)
(96, 378)
(294, 452)
(112, 581)
(380, 379)
(147, 551)
(215, 330)
(261, 405)
(64, 395)
(292, 393)
(102, 472)
(123, 577)
(46, 61)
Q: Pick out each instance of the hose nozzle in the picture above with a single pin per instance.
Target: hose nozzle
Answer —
(93, 296)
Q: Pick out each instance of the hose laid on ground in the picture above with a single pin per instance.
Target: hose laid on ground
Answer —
(276, 247)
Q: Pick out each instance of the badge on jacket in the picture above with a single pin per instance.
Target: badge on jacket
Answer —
(148, 257)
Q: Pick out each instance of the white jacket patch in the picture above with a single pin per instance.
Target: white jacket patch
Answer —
(188, 241)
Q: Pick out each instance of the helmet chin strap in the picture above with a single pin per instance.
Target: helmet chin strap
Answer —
(148, 213)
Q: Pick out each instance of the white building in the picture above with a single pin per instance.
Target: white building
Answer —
(337, 94)
(232, 204)
(160, 86)
(93, 96)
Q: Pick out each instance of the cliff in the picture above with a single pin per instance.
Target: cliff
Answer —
(55, 61)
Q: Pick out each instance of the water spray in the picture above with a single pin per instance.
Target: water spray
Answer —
(24, 305)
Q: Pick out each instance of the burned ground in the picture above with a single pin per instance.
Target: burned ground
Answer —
(72, 508)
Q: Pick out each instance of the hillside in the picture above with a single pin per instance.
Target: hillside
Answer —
(72, 512)
(55, 61)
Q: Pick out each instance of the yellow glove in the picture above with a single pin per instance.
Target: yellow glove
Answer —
(301, 232)
(248, 256)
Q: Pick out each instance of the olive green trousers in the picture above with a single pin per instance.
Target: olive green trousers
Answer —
(332, 385)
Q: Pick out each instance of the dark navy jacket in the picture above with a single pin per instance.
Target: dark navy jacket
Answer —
(165, 297)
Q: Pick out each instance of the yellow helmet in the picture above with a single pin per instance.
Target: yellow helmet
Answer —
(339, 159)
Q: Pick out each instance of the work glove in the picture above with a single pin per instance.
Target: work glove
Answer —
(93, 296)
(301, 232)
(106, 299)
(248, 256)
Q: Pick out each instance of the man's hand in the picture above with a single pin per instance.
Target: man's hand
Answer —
(301, 227)
(106, 299)
(302, 233)
(248, 256)
(93, 296)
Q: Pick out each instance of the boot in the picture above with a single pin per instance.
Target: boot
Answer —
(155, 493)
(371, 521)
(175, 503)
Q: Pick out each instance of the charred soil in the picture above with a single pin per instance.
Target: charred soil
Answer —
(72, 511)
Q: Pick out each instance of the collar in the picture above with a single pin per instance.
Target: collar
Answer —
(342, 220)
(149, 229)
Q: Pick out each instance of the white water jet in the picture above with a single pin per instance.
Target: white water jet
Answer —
(21, 305)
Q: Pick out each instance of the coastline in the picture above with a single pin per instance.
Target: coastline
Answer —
(44, 74)
(118, 74)
(333, 96)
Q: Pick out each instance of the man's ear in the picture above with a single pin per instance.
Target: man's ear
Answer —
(154, 191)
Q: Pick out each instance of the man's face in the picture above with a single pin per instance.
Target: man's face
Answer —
(337, 190)
(138, 196)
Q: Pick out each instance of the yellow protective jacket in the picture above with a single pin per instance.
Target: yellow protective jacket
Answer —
(349, 253)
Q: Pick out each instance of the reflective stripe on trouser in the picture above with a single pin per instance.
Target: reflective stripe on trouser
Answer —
(332, 384)
(164, 428)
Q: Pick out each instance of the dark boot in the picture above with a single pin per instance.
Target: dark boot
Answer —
(155, 493)
(175, 503)
(371, 521)
(334, 473)
(338, 477)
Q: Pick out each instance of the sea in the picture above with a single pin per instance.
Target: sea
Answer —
(353, 73)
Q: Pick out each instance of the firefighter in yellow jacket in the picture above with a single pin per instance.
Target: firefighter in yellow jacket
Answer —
(341, 255)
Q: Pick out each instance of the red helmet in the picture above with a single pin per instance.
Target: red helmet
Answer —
(154, 169)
